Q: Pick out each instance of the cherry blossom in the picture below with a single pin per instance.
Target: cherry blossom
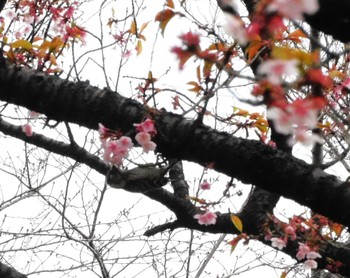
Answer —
(27, 129)
(289, 230)
(297, 118)
(116, 150)
(33, 114)
(278, 243)
(149, 146)
(125, 142)
(294, 9)
(205, 185)
(302, 251)
(313, 255)
(146, 126)
(103, 131)
(310, 264)
(208, 218)
(305, 251)
(276, 70)
(236, 28)
(268, 235)
(146, 130)
(346, 83)
(143, 138)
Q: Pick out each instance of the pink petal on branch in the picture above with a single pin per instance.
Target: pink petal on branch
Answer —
(208, 218)
(27, 129)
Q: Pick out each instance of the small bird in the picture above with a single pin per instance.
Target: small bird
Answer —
(140, 179)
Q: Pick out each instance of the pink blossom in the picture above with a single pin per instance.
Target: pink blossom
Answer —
(116, 150)
(208, 218)
(268, 235)
(125, 142)
(27, 129)
(297, 118)
(235, 27)
(127, 54)
(313, 255)
(10, 14)
(303, 250)
(310, 264)
(149, 146)
(102, 130)
(294, 9)
(278, 243)
(33, 114)
(281, 119)
(346, 83)
(305, 137)
(275, 70)
(146, 126)
(205, 185)
(290, 231)
(143, 138)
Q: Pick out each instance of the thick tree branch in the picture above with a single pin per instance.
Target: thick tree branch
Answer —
(249, 161)
(9, 272)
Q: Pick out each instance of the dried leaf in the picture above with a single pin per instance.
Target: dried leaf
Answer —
(164, 17)
(237, 222)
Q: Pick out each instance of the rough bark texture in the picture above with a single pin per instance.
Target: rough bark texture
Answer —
(249, 161)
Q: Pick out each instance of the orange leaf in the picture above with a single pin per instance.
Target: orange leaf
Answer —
(337, 228)
(164, 17)
(253, 49)
(218, 46)
(143, 26)
(196, 87)
(22, 44)
(170, 4)
(237, 222)
(198, 70)
(296, 35)
(133, 28)
(53, 59)
(286, 53)
(284, 274)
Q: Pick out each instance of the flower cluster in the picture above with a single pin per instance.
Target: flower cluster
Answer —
(276, 70)
(310, 236)
(146, 130)
(115, 149)
(305, 252)
(297, 118)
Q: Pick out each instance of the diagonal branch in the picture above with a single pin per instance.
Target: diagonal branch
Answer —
(249, 161)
